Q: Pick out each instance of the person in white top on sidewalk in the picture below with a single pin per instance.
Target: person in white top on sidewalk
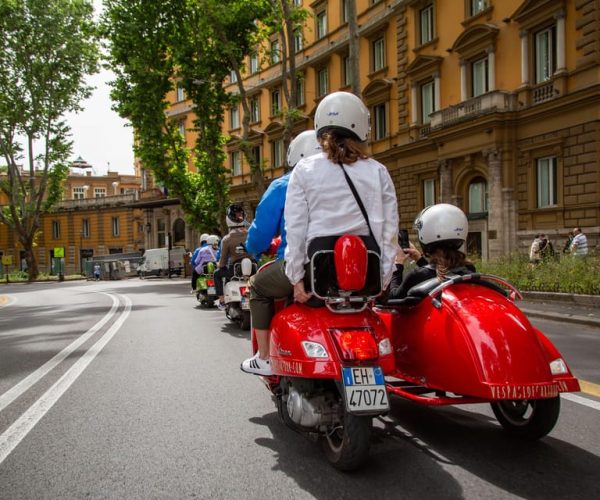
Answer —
(579, 245)
(319, 202)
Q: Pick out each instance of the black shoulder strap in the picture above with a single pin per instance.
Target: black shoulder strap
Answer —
(357, 197)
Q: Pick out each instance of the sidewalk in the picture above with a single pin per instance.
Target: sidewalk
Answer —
(581, 309)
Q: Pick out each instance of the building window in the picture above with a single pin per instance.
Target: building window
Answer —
(115, 226)
(379, 122)
(427, 101)
(477, 6)
(234, 117)
(232, 76)
(428, 192)
(236, 163)
(322, 82)
(344, 11)
(181, 127)
(99, 192)
(275, 52)
(426, 24)
(299, 91)
(479, 75)
(78, 193)
(347, 71)
(255, 109)
(546, 182)
(180, 93)
(545, 54)
(478, 197)
(256, 154)
(55, 229)
(298, 41)
(253, 63)
(276, 153)
(275, 101)
(321, 24)
(378, 54)
(85, 228)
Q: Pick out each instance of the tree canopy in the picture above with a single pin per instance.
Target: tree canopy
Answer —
(47, 47)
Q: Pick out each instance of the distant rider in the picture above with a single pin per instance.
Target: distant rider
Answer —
(193, 258)
(231, 247)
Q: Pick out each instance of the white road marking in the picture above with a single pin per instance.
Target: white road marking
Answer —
(9, 396)
(582, 401)
(20, 428)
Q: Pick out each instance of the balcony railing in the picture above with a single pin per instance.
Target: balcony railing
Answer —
(497, 101)
(543, 93)
(105, 201)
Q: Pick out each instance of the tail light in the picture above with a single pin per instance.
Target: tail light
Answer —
(210, 282)
(243, 290)
(356, 345)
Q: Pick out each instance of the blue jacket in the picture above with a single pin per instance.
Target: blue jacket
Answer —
(268, 220)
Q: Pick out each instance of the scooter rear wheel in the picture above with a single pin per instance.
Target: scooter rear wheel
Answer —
(245, 321)
(347, 447)
(527, 419)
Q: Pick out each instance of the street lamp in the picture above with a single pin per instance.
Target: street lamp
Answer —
(81, 234)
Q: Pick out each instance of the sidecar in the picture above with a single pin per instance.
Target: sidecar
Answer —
(465, 341)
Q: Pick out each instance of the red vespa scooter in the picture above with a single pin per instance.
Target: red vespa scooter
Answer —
(465, 341)
(329, 361)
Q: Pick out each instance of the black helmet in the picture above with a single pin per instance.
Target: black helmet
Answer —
(235, 215)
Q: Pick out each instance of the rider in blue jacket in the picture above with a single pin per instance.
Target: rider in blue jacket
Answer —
(268, 219)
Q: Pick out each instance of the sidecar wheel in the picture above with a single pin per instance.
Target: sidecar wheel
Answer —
(347, 447)
(527, 419)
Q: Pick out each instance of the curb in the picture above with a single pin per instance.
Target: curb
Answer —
(572, 318)
(572, 298)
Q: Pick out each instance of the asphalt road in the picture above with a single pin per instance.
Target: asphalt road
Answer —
(146, 400)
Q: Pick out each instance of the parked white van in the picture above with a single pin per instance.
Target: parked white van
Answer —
(158, 261)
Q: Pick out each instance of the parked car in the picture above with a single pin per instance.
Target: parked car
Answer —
(161, 261)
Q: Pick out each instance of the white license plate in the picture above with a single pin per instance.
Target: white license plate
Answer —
(365, 389)
(211, 290)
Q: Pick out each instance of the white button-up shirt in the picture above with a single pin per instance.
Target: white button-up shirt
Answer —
(319, 202)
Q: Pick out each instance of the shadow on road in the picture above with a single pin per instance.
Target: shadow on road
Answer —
(413, 451)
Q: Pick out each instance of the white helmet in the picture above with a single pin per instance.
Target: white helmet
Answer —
(343, 111)
(441, 223)
(304, 145)
(212, 240)
(203, 237)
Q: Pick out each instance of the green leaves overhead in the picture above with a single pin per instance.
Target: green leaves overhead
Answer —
(47, 47)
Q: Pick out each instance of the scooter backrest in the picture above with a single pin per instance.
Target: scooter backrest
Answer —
(351, 261)
(321, 278)
(244, 268)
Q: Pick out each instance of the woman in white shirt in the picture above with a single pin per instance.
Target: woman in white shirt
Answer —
(319, 202)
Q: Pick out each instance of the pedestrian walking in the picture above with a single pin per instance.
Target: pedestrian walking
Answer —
(96, 272)
(579, 245)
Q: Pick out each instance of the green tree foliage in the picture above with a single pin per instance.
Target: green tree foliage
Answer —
(46, 49)
(155, 46)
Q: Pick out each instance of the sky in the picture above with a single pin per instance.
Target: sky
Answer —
(99, 135)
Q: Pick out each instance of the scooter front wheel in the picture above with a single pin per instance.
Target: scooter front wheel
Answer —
(347, 446)
(527, 419)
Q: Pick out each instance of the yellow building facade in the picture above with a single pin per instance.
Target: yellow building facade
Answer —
(95, 217)
(492, 105)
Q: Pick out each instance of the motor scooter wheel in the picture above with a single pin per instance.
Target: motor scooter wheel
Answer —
(347, 446)
(527, 419)
(245, 321)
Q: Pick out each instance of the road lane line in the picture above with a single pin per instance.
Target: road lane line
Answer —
(589, 388)
(9, 396)
(582, 401)
(23, 425)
